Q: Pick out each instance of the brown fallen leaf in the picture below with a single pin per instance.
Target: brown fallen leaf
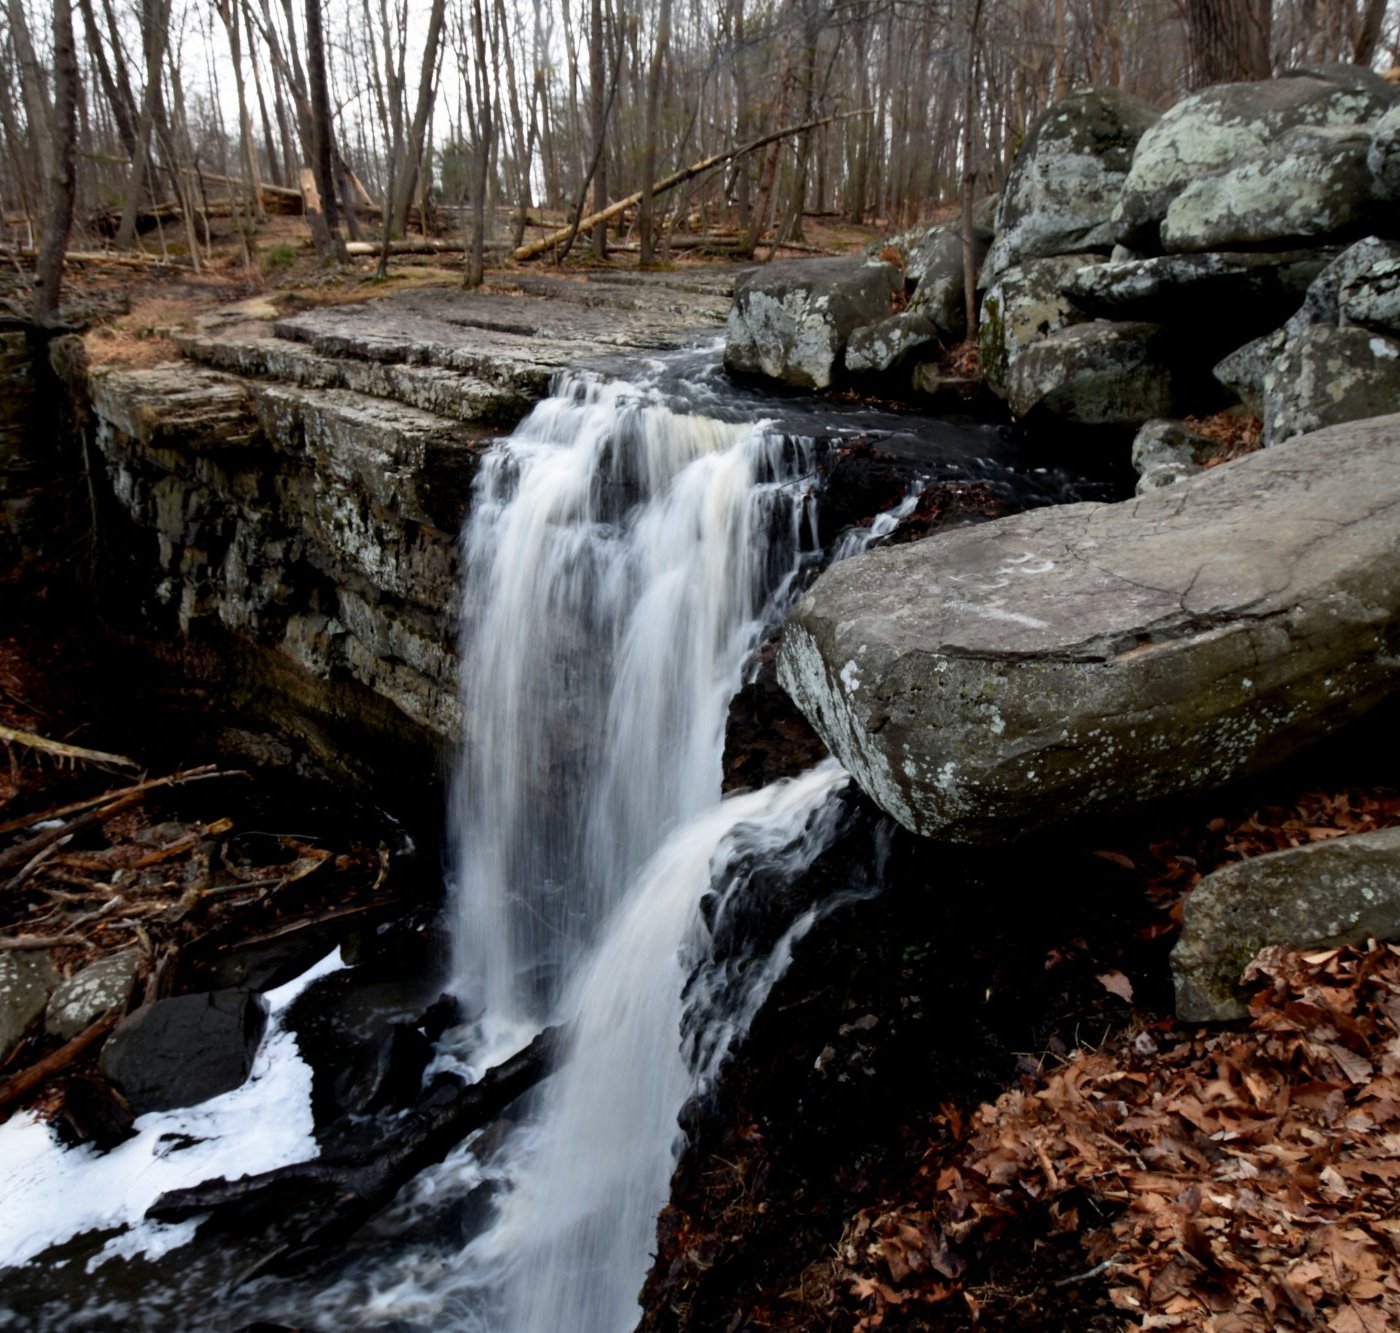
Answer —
(1117, 984)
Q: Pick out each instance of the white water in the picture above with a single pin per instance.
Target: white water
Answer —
(623, 562)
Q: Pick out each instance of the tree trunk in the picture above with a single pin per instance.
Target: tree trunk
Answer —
(325, 227)
(969, 165)
(597, 96)
(427, 89)
(32, 84)
(155, 23)
(1368, 32)
(645, 224)
(1229, 40)
(58, 216)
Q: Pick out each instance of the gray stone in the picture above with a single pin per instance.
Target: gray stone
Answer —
(1383, 156)
(877, 347)
(27, 978)
(1322, 305)
(1372, 299)
(1064, 182)
(1350, 77)
(1165, 474)
(790, 322)
(1210, 131)
(1342, 891)
(1165, 441)
(182, 1051)
(1086, 658)
(1096, 374)
(1247, 294)
(84, 997)
(1244, 370)
(1312, 183)
(941, 295)
(1326, 376)
(1024, 305)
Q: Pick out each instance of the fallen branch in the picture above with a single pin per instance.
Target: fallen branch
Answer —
(9, 736)
(201, 774)
(27, 1081)
(536, 248)
(17, 943)
(309, 1208)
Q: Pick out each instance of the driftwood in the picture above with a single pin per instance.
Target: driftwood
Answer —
(306, 1210)
(536, 248)
(9, 736)
(15, 1090)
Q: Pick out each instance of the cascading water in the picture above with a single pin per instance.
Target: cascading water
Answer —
(623, 561)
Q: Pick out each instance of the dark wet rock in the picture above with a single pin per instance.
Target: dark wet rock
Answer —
(1065, 180)
(791, 322)
(1085, 658)
(387, 1075)
(97, 989)
(1024, 305)
(182, 1051)
(765, 736)
(1102, 373)
(1243, 372)
(94, 1112)
(1342, 891)
(1209, 132)
(27, 979)
(1312, 182)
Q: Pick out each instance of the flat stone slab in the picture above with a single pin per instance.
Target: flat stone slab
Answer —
(1089, 658)
(1342, 891)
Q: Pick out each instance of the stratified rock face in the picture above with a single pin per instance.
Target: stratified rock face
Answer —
(998, 679)
(1342, 891)
(1096, 374)
(1310, 183)
(791, 322)
(1209, 132)
(1062, 187)
(182, 1051)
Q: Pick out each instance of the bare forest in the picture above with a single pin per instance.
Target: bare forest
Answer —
(508, 125)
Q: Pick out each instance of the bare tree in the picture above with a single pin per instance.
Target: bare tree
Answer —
(58, 217)
(1230, 40)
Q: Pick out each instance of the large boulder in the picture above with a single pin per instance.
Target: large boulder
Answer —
(1062, 187)
(1372, 299)
(1342, 891)
(1325, 376)
(1097, 374)
(1209, 132)
(940, 295)
(876, 348)
(1311, 183)
(1088, 658)
(1383, 156)
(791, 322)
(182, 1051)
(1024, 305)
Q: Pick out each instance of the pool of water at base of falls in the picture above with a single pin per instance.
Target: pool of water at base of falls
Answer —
(631, 546)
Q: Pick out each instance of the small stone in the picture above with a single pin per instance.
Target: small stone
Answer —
(27, 978)
(84, 997)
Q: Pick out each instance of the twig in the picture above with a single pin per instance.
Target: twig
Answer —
(39, 1073)
(200, 774)
(21, 852)
(1113, 1261)
(9, 736)
(39, 941)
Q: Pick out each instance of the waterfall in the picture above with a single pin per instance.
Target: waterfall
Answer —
(623, 563)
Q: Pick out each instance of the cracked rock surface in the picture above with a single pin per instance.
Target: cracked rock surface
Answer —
(1089, 658)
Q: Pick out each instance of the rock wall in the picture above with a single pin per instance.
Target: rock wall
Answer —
(280, 510)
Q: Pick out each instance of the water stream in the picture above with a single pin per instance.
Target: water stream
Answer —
(630, 547)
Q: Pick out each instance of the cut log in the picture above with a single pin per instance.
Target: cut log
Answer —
(536, 248)
(306, 1210)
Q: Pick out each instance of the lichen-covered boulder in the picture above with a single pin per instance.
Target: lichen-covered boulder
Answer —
(1325, 376)
(1063, 185)
(1024, 305)
(27, 978)
(1371, 298)
(875, 348)
(1312, 182)
(1165, 452)
(941, 294)
(1383, 156)
(1342, 891)
(84, 997)
(1088, 658)
(1097, 374)
(791, 322)
(1210, 131)
(1244, 370)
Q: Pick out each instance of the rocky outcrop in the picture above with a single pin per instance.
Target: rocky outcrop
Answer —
(182, 1051)
(791, 322)
(1341, 891)
(1064, 183)
(1210, 132)
(1093, 657)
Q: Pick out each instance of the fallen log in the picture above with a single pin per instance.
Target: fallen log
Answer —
(306, 1210)
(27, 1081)
(536, 248)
